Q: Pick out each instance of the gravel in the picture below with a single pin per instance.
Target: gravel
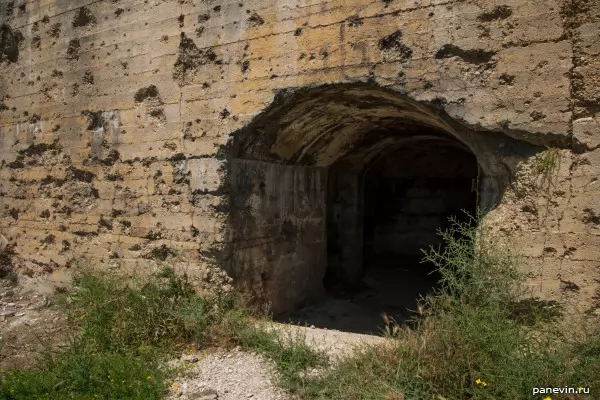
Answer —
(239, 375)
(222, 375)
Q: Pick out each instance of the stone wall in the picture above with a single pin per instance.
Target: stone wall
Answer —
(279, 213)
(115, 116)
(552, 219)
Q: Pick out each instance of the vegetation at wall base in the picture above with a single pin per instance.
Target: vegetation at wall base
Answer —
(479, 337)
(124, 332)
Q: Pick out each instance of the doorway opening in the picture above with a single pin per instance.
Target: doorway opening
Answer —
(406, 196)
(335, 191)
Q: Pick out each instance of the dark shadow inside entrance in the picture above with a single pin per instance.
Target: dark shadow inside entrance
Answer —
(332, 191)
(375, 239)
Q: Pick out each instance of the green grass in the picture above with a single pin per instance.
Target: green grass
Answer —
(115, 348)
(80, 373)
(123, 333)
(480, 326)
(7, 272)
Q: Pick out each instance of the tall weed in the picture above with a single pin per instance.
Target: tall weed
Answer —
(478, 337)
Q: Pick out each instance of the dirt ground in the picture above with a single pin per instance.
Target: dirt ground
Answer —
(236, 374)
(29, 321)
(390, 290)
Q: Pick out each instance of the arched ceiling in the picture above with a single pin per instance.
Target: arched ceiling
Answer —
(319, 127)
(361, 122)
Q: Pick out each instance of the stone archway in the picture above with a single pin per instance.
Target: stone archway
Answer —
(297, 173)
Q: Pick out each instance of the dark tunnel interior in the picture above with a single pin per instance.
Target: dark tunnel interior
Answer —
(405, 197)
(337, 190)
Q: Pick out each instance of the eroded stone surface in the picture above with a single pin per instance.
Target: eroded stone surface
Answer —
(115, 117)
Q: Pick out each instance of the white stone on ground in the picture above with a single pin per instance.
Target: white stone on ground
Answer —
(238, 375)
(233, 375)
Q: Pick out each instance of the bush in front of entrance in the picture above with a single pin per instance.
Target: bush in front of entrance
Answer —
(479, 337)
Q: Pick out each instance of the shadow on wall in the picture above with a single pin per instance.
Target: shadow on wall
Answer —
(298, 173)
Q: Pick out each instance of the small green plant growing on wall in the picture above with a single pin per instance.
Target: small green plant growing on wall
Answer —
(546, 165)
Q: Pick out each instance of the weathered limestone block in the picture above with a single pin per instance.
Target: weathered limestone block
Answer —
(205, 174)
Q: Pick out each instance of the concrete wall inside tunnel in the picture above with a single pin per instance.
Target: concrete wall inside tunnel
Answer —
(344, 224)
(278, 231)
(297, 230)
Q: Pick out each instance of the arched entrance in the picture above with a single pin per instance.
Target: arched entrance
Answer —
(332, 182)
